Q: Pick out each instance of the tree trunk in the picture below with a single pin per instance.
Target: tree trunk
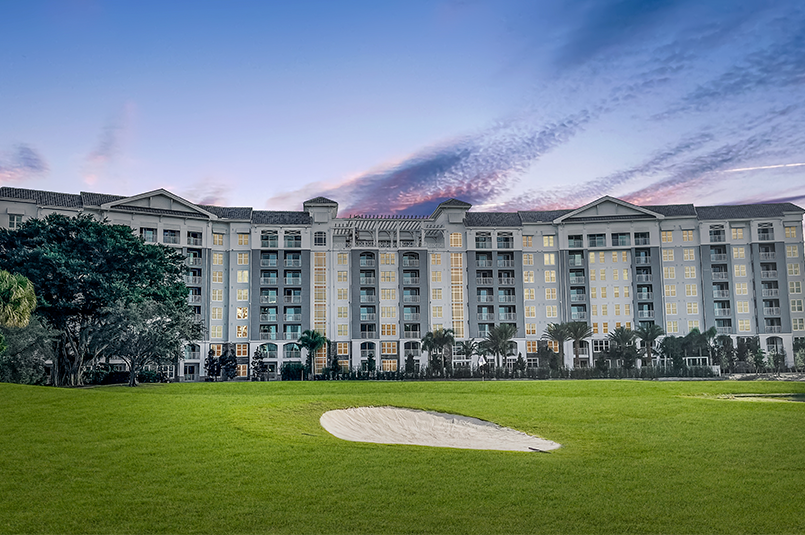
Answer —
(132, 375)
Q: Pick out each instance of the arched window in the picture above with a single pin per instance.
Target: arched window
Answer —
(292, 351)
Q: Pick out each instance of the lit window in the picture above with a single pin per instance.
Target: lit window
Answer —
(531, 346)
(687, 235)
(603, 292)
(744, 325)
(343, 259)
(388, 329)
(218, 259)
(669, 273)
(528, 259)
(592, 274)
(615, 274)
(671, 327)
(626, 274)
(614, 257)
(243, 275)
(738, 252)
(388, 259)
(617, 310)
(550, 275)
(216, 295)
(693, 324)
(530, 312)
(388, 276)
(436, 276)
(625, 291)
(528, 276)
(691, 290)
(667, 236)
(690, 272)
(435, 259)
(592, 258)
(243, 294)
(456, 239)
(549, 259)
(602, 257)
(217, 349)
(531, 328)
(667, 255)
(741, 289)
(740, 270)
(670, 309)
(530, 293)
(547, 241)
(456, 260)
(343, 312)
(242, 350)
(243, 259)
(388, 294)
(605, 327)
(624, 256)
(216, 331)
(693, 308)
(342, 276)
(528, 241)
(616, 291)
(594, 292)
(550, 293)
(343, 293)
(595, 328)
(436, 294)
(342, 348)
(793, 270)
(218, 276)
(217, 239)
(343, 330)
(790, 232)
(689, 254)
(737, 233)
(388, 348)
(550, 311)
(743, 307)
(243, 239)
(604, 310)
(242, 313)
(217, 313)
(670, 290)
(627, 310)
(436, 312)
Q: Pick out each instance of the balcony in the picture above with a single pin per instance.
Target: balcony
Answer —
(768, 256)
(193, 261)
(506, 298)
(575, 244)
(717, 238)
(641, 241)
(368, 334)
(367, 262)
(192, 298)
(770, 292)
(771, 311)
(293, 317)
(268, 336)
(483, 244)
(483, 263)
(505, 244)
(194, 242)
(718, 257)
(765, 236)
(292, 298)
(293, 353)
(486, 298)
(412, 352)
(774, 328)
(412, 335)
(268, 317)
(411, 317)
(723, 330)
(410, 280)
(575, 261)
(484, 281)
(271, 354)
(506, 281)
(721, 276)
(192, 281)
(645, 314)
(368, 281)
(293, 262)
(507, 316)
(642, 278)
(269, 244)
(642, 260)
(293, 281)
(486, 316)
(577, 280)
(578, 316)
(721, 294)
(292, 335)
(506, 263)
(268, 281)
(768, 274)
(645, 296)
(578, 298)
(368, 298)
(410, 262)
(268, 262)
(410, 299)
(194, 355)
(723, 312)
(368, 317)
(265, 299)
(293, 244)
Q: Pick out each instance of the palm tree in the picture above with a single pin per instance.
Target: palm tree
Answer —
(499, 339)
(578, 331)
(621, 342)
(437, 341)
(558, 333)
(17, 300)
(648, 333)
(312, 341)
(468, 348)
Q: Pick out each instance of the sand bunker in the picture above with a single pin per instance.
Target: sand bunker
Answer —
(391, 425)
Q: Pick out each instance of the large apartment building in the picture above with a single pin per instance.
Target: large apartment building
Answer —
(375, 285)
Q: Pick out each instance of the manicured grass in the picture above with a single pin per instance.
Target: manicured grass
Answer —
(639, 457)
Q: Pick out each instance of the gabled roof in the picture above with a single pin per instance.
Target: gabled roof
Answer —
(673, 210)
(544, 216)
(320, 200)
(265, 217)
(636, 211)
(454, 203)
(228, 212)
(747, 211)
(43, 198)
(97, 199)
(192, 209)
(492, 219)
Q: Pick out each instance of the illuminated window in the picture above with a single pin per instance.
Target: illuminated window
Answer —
(793, 270)
(528, 241)
(242, 350)
(435, 259)
(667, 236)
(604, 311)
(741, 289)
(388, 312)
(343, 330)
(670, 309)
(738, 252)
(342, 348)
(217, 239)
(592, 274)
(627, 309)
(790, 232)
(743, 307)
(216, 331)
(343, 312)
(531, 346)
(687, 235)
(243, 239)
(388, 276)
(457, 294)
(243, 275)
(217, 313)
(624, 256)
(595, 328)
(530, 312)
(605, 327)
(343, 259)
(737, 233)
(602, 274)
(242, 313)
(550, 293)
(740, 270)
(456, 276)
(689, 254)
(388, 329)
(528, 276)
(343, 293)
(614, 257)
(320, 259)
(626, 274)
(602, 257)
(531, 328)
(592, 258)
(388, 259)
(217, 259)
(436, 294)
(550, 275)
(530, 293)
(693, 324)
(669, 273)
(218, 276)
(594, 310)
(692, 307)
(616, 291)
(320, 276)
(617, 310)
(216, 295)
(436, 311)
(691, 290)
(594, 292)
(603, 292)
(436, 276)
(791, 251)
(242, 370)
(243, 294)
(456, 239)
(554, 345)
(243, 259)
(690, 272)
(667, 255)
(342, 276)
(670, 290)
(388, 348)
(625, 291)
(528, 259)
(615, 274)
(388, 294)
(671, 327)
(547, 241)
(549, 259)
(217, 349)
(744, 325)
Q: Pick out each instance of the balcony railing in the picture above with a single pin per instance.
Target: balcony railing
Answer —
(771, 311)
(411, 317)
(292, 298)
(193, 261)
(193, 298)
(483, 263)
(368, 280)
(412, 335)
(505, 263)
(506, 298)
(293, 317)
(641, 241)
(412, 352)
(293, 262)
(293, 354)
(266, 244)
(720, 276)
(292, 335)
(410, 299)
(505, 244)
(194, 355)
(575, 261)
(723, 312)
(368, 317)
(293, 281)
(717, 238)
(507, 316)
(486, 298)
(268, 262)
(765, 237)
(770, 292)
(410, 262)
(268, 281)
(575, 244)
(721, 294)
(271, 354)
(264, 299)
(645, 314)
(642, 278)
(577, 280)
(368, 334)
(723, 330)
(768, 274)
(268, 317)
(578, 316)
(486, 316)
(642, 260)
(410, 280)
(774, 328)
(194, 242)
(718, 257)
(192, 281)
(506, 281)
(293, 244)
(768, 256)
(268, 336)
(484, 281)
(367, 262)
(368, 298)
(577, 298)
(645, 296)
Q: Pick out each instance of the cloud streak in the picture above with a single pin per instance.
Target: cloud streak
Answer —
(109, 145)
(20, 164)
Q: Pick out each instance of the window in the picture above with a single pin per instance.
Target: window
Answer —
(604, 310)
(388, 312)
(614, 257)
(342, 276)
(320, 260)
(626, 274)
(798, 324)
(602, 257)
(528, 241)
(170, 236)
(217, 259)
(320, 277)
(388, 329)
(793, 270)
(667, 236)
(436, 276)
(388, 348)
(742, 307)
(388, 259)
(594, 292)
(528, 276)
(616, 291)
(796, 305)
(243, 294)
(592, 274)
(343, 312)
(744, 326)
(436, 312)
(554, 345)
(530, 312)
(531, 346)
(592, 258)
(217, 239)
(671, 327)
(617, 310)
(216, 295)
(342, 348)
(667, 255)
(791, 251)
(669, 273)
(531, 328)
(388, 294)
(605, 327)
(216, 331)
(670, 309)
(343, 330)
(691, 290)
(217, 313)
(243, 239)
(530, 293)
(627, 309)
(550, 294)
(739, 270)
(670, 290)
(738, 252)
(218, 276)
(547, 241)
(148, 235)
(794, 287)
(243, 259)
(624, 256)
(320, 239)
(741, 289)
(242, 313)
(594, 310)
(690, 272)
(737, 233)
(687, 235)
(689, 254)
(388, 276)
(435, 259)
(343, 293)
(217, 349)
(693, 308)
(693, 324)
(597, 240)
(551, 311)
(528, 259)
(603, 292)
(549, 259)
(436, 294)
(242, 331)
(343, 259)
(790, 232)
(602, 274)
(457, 294)
(625, 291)
(456, 239)
(243, 275)
(550, 275)
(242, 350)
(595, 328)
(615, 274)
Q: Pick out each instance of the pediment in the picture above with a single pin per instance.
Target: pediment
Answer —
(606, 208)
(161, 202)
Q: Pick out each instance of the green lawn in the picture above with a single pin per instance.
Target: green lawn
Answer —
(640, 457)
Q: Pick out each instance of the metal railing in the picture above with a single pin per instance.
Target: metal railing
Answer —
(268, 281)
(506, 298)
(268, 336)
(642, 278)
(293, 317)
(768, 274)
(577, 280)
(293, 354)
(770, 292)
(768, 256)
(268, 262)
(269, 243)
(484, 263)
(411, 317)
(410, 280)
(720, 275)
(771, 311)
(486, 316)
(193, 298)
(192, 281)
(723, 312)
(642, 260)
(194, 355)
(368, 298)
(723, 330)
(292, 335)
(265, 299)
(483, 244)
(507, 316)
(412, 335)
(368, 317)
(767, 236)
(505, 263)
(576, 298)
(293, 281)
(574, 261)
(645, 296)
(268, 317)
(718, 257)
(484, 281)
(368, 334)
(486, 298)
(505, 244)
(645, 314)
(367, 280)
(577, 316)
(774, 328)
(575, 243)
(642, 241)
(293, 262)
(410, 262)
(721, 294)
(717, 238)
(410, 299)
(367, 262)
(292, 298)
(194, 242)
(506, 281)
(193, 261)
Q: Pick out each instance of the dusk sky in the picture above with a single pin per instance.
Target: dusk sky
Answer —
(391, 107)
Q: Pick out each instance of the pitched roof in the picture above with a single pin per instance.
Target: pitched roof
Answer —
(159, 211)
(97, 199)
(228, 212)
(43, 198)
(673, 210)
(492, 219)
(455, 203)
(320, 200)
(265, 217)
(747, 211)
(544, 216)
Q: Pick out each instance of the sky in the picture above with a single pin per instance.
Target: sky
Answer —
(392, 107)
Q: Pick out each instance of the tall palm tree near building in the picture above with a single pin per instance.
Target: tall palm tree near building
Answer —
(578, 331)
(312, 341)
(498, 340)
(559, 334)
(439, 341)
(648, 333)
(468, 348)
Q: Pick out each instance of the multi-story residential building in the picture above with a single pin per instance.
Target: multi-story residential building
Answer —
(376, 284)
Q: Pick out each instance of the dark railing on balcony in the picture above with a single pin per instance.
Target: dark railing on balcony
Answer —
(193, 261)
(367, 262)
(642, 260)
(575, 243)
(506, 281)
(768, 256)
(505, 263)
(193, 298)
(720, 276)
(410, 262)
(268, 317)
(268, 299)
(411, 317)
(293, 317)
(292, 335)
(410, 280)
(765, 236)
(641, 241)
(483, 263)
(505, 244)
(484, 281)
(192, 281)
(269, 243)
(768, 274)
(268, 336)
(368, 334)
(643, 278)
(577, 316)
(506, 298)
(194, 242)
(486, 316)
(268, 262)
(774, 328)
(577, 280)
(412, 335)
(293, 262)
(645, 296)
(771, 311)
(716, 238)
(368, 280)
(721, 294)
(645, 314)
(576, 298)
(368, 317)
(292, 298)
(575, 261)
(268, 281)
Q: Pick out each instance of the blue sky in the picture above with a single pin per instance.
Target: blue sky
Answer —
(391, 107)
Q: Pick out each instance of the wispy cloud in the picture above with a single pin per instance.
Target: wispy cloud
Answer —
(209, 192)
(109, 145)
(21, 163)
